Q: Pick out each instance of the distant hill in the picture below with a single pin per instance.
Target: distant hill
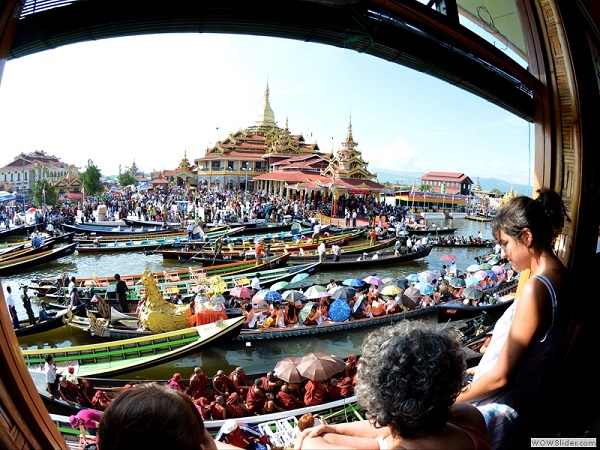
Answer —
(487, 184)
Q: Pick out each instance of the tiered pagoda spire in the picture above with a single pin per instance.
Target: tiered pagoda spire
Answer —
(348, 161)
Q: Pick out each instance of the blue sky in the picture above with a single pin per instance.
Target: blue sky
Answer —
(153, 98)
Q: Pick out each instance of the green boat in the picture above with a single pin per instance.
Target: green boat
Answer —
(127, 356)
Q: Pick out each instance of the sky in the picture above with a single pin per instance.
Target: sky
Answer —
(153, 99)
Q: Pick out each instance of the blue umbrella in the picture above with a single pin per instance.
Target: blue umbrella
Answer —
(426, 289)
(339, 310)
(471, 280)
(272, 296)
(413, 277)
(354, 282)
(299, 277)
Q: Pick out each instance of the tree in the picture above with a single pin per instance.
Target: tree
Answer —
(44, 193)
(90, 178)
(425, 188)
(126, 178)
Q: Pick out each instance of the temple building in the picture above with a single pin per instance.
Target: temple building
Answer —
(182, 176)
(270, 158)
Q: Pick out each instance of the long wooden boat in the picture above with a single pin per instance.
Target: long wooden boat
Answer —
(187, 292)
(99, 284)
(338, 411)
(247, 251)
(118, 230)
(329, 327)
(348, 262)
(87, 239)
(26, 262)
(479, 217)
(134, 245)
(460, 241)
(431, 230)
(274, 237)
(27, 329)
(29, 249)
(123, 357)
(21, 230)
(451, 311)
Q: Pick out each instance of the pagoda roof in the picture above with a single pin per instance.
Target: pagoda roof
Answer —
(446, 176)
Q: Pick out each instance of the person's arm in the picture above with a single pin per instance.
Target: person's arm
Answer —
(526, 322)
(352, 435)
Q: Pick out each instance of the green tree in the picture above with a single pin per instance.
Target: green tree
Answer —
(126, 178)
(90, 178)
(425, 188)
(44, 193)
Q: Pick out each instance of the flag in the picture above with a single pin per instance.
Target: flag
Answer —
(443, 190)
(44, 191)
(412, 191)
(83, 190)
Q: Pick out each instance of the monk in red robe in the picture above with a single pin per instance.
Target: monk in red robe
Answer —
(347, 386)
(314, 393)
(240, 380)
(333, 391)
(218, 409)
(271, 383)
(256, 398)
(199, 386)
(235, 407)
(286, 399)
(222, 384)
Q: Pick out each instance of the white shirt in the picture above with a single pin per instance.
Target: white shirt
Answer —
(321, 248)
(255, 284)
(317, 228)
(50, 371)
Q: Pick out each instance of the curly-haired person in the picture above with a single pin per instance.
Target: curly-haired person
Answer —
(409, 376)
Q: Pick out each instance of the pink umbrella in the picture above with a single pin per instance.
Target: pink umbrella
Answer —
(241, 292)
(372, 279)
(498, 269)
(319, 366)
(448, 258)
(287, 369)
(480, 275)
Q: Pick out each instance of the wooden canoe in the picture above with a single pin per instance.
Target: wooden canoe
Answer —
(352, 262)
(129, 328)
(133, 245)
(114, 358)
(27, 329)
(99, 284)
(29, 249)
(329, 327)
(247, 251)
(451, 311)
(118, 230)
(26, 262)
(431, 230)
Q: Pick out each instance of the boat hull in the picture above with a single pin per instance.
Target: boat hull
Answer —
(17, 264)
(449, 312)
(348, 263)
(129, 356)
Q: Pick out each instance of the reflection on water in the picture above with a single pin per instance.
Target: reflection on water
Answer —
(258, 356)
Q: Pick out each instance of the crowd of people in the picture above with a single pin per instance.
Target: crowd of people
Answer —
(412, 381)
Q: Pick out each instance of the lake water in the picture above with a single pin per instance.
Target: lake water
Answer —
(257, 356)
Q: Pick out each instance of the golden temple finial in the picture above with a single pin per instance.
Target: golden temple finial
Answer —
(267, 116)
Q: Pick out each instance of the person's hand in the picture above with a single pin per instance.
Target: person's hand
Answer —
(313, 432)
